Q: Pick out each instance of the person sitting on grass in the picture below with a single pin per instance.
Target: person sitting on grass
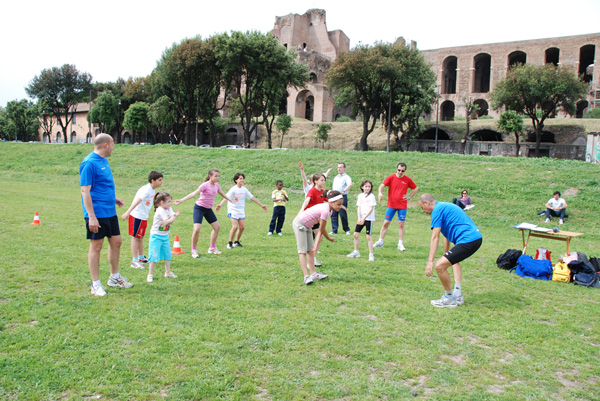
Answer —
(557, 207)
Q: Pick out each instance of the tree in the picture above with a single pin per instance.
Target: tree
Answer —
(61, 88)
(4, 130)
(470, 109)
(283, 125)
(593, 113)
(257, 69)
(539, 92)
(23, 118)
(46, 120)
(105, 111)
(136, 118)
(323, 133)
(512, 123)
(161, 115)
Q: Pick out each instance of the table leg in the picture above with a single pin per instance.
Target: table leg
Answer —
(527, 243)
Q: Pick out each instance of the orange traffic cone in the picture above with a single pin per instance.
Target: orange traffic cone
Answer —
(36, 220)
(177, 247)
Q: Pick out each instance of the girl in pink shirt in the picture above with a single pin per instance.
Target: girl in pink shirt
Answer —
(302, 229)
(203, 209)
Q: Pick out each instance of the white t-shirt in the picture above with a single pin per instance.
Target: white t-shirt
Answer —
(341, 182)
(556, 203)
(146, 194)
(237, 210)
(159, 216)
(364, 202)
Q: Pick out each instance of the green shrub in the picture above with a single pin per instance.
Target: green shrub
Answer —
(594, 113)
(343, 119)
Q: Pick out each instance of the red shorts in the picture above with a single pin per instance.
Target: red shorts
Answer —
(137, 227)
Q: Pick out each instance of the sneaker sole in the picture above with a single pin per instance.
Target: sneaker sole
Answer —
(437, 305)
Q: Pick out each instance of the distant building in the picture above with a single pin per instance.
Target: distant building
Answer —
(78, 130)
(473, 71)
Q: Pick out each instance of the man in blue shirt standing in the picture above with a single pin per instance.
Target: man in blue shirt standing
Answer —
(100, 213)
(458, 228)
(342, 183)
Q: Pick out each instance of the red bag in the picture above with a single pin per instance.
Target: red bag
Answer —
(542, 254)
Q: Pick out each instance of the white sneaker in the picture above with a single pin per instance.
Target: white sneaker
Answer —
(280, 234)
(119, 282)
(347, 232)
(317, 263)
(401, 247)
(445, 302)
(354, 254)
(547, 221)
(332, 233)
(150, 278)
(214, 251)
(170, 274)
(308, 280)
(371, 257)
(195, 254)
(269, 233)
(137, 265)
(378, 244)
(229, 245)
(561, 221)
(318, 276)
(459, 300)
(98, 290)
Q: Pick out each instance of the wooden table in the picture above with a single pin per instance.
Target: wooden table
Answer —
(558, 236)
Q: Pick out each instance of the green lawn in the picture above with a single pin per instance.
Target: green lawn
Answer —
(242, 326)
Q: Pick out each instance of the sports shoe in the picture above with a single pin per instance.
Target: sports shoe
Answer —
(214, 251)
(371, 257)
(561, 221)
(401, 247)
(137, 265)
(347, 232)
(318, 276)
(308, 280)
(98, 290)
(280, 234)
(269, 233)
(143, 260)
(378, 244)
(354, 254)
(317, 263)
(119, 282)
(170, 274)
(547, 221)
(195, 254)
(445, 302)
(150, 278)
(237, 243)
(230, 245)
(459, 300)
(332, 233)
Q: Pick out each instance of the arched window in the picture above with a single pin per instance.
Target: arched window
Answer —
(447, 109)
(586, 59)
(449, 75)
(482, 64)
(517, 57)
(73, 137)
(483, 108)
(552, 56)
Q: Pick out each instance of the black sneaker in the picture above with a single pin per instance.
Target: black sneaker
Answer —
(237, 243)
(229, 245)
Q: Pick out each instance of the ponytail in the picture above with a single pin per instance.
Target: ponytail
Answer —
(211, 172)
(160, 197)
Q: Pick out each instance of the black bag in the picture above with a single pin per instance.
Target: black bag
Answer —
(583, 273)
(508, 259)
(595, 262)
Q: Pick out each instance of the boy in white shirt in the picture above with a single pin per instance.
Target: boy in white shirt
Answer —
(557, 207)
(138, 217)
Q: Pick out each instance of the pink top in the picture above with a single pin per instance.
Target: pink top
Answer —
(208, 192)
(313, 215)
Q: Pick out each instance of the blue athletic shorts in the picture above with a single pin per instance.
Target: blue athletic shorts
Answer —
(390, 211)
(202, 212)
(159, 248)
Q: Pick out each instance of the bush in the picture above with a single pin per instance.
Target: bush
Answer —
(343, 119)
(594, 113)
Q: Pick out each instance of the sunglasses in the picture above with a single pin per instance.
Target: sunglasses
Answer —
(401, 170)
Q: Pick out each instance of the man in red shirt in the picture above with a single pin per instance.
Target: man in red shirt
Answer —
(398, 184)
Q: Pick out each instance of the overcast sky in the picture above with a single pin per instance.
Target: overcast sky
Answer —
(111, 39)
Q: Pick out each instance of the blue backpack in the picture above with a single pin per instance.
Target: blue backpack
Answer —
(533, 268)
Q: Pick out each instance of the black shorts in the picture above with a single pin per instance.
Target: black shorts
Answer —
(316, 226)
(367, 224)
(203, 212)
(462, 251)
(109, 226)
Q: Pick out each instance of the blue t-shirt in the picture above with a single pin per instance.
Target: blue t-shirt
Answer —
(456, 225)
(95, 171)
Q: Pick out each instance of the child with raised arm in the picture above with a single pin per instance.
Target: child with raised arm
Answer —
(203, 210)
(366, 216)
(159, 247)
(306, 186)
(302, 226)
(279, 197)
(237, 211)
(138, 217)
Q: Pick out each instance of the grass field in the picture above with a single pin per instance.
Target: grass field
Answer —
(242, 326)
